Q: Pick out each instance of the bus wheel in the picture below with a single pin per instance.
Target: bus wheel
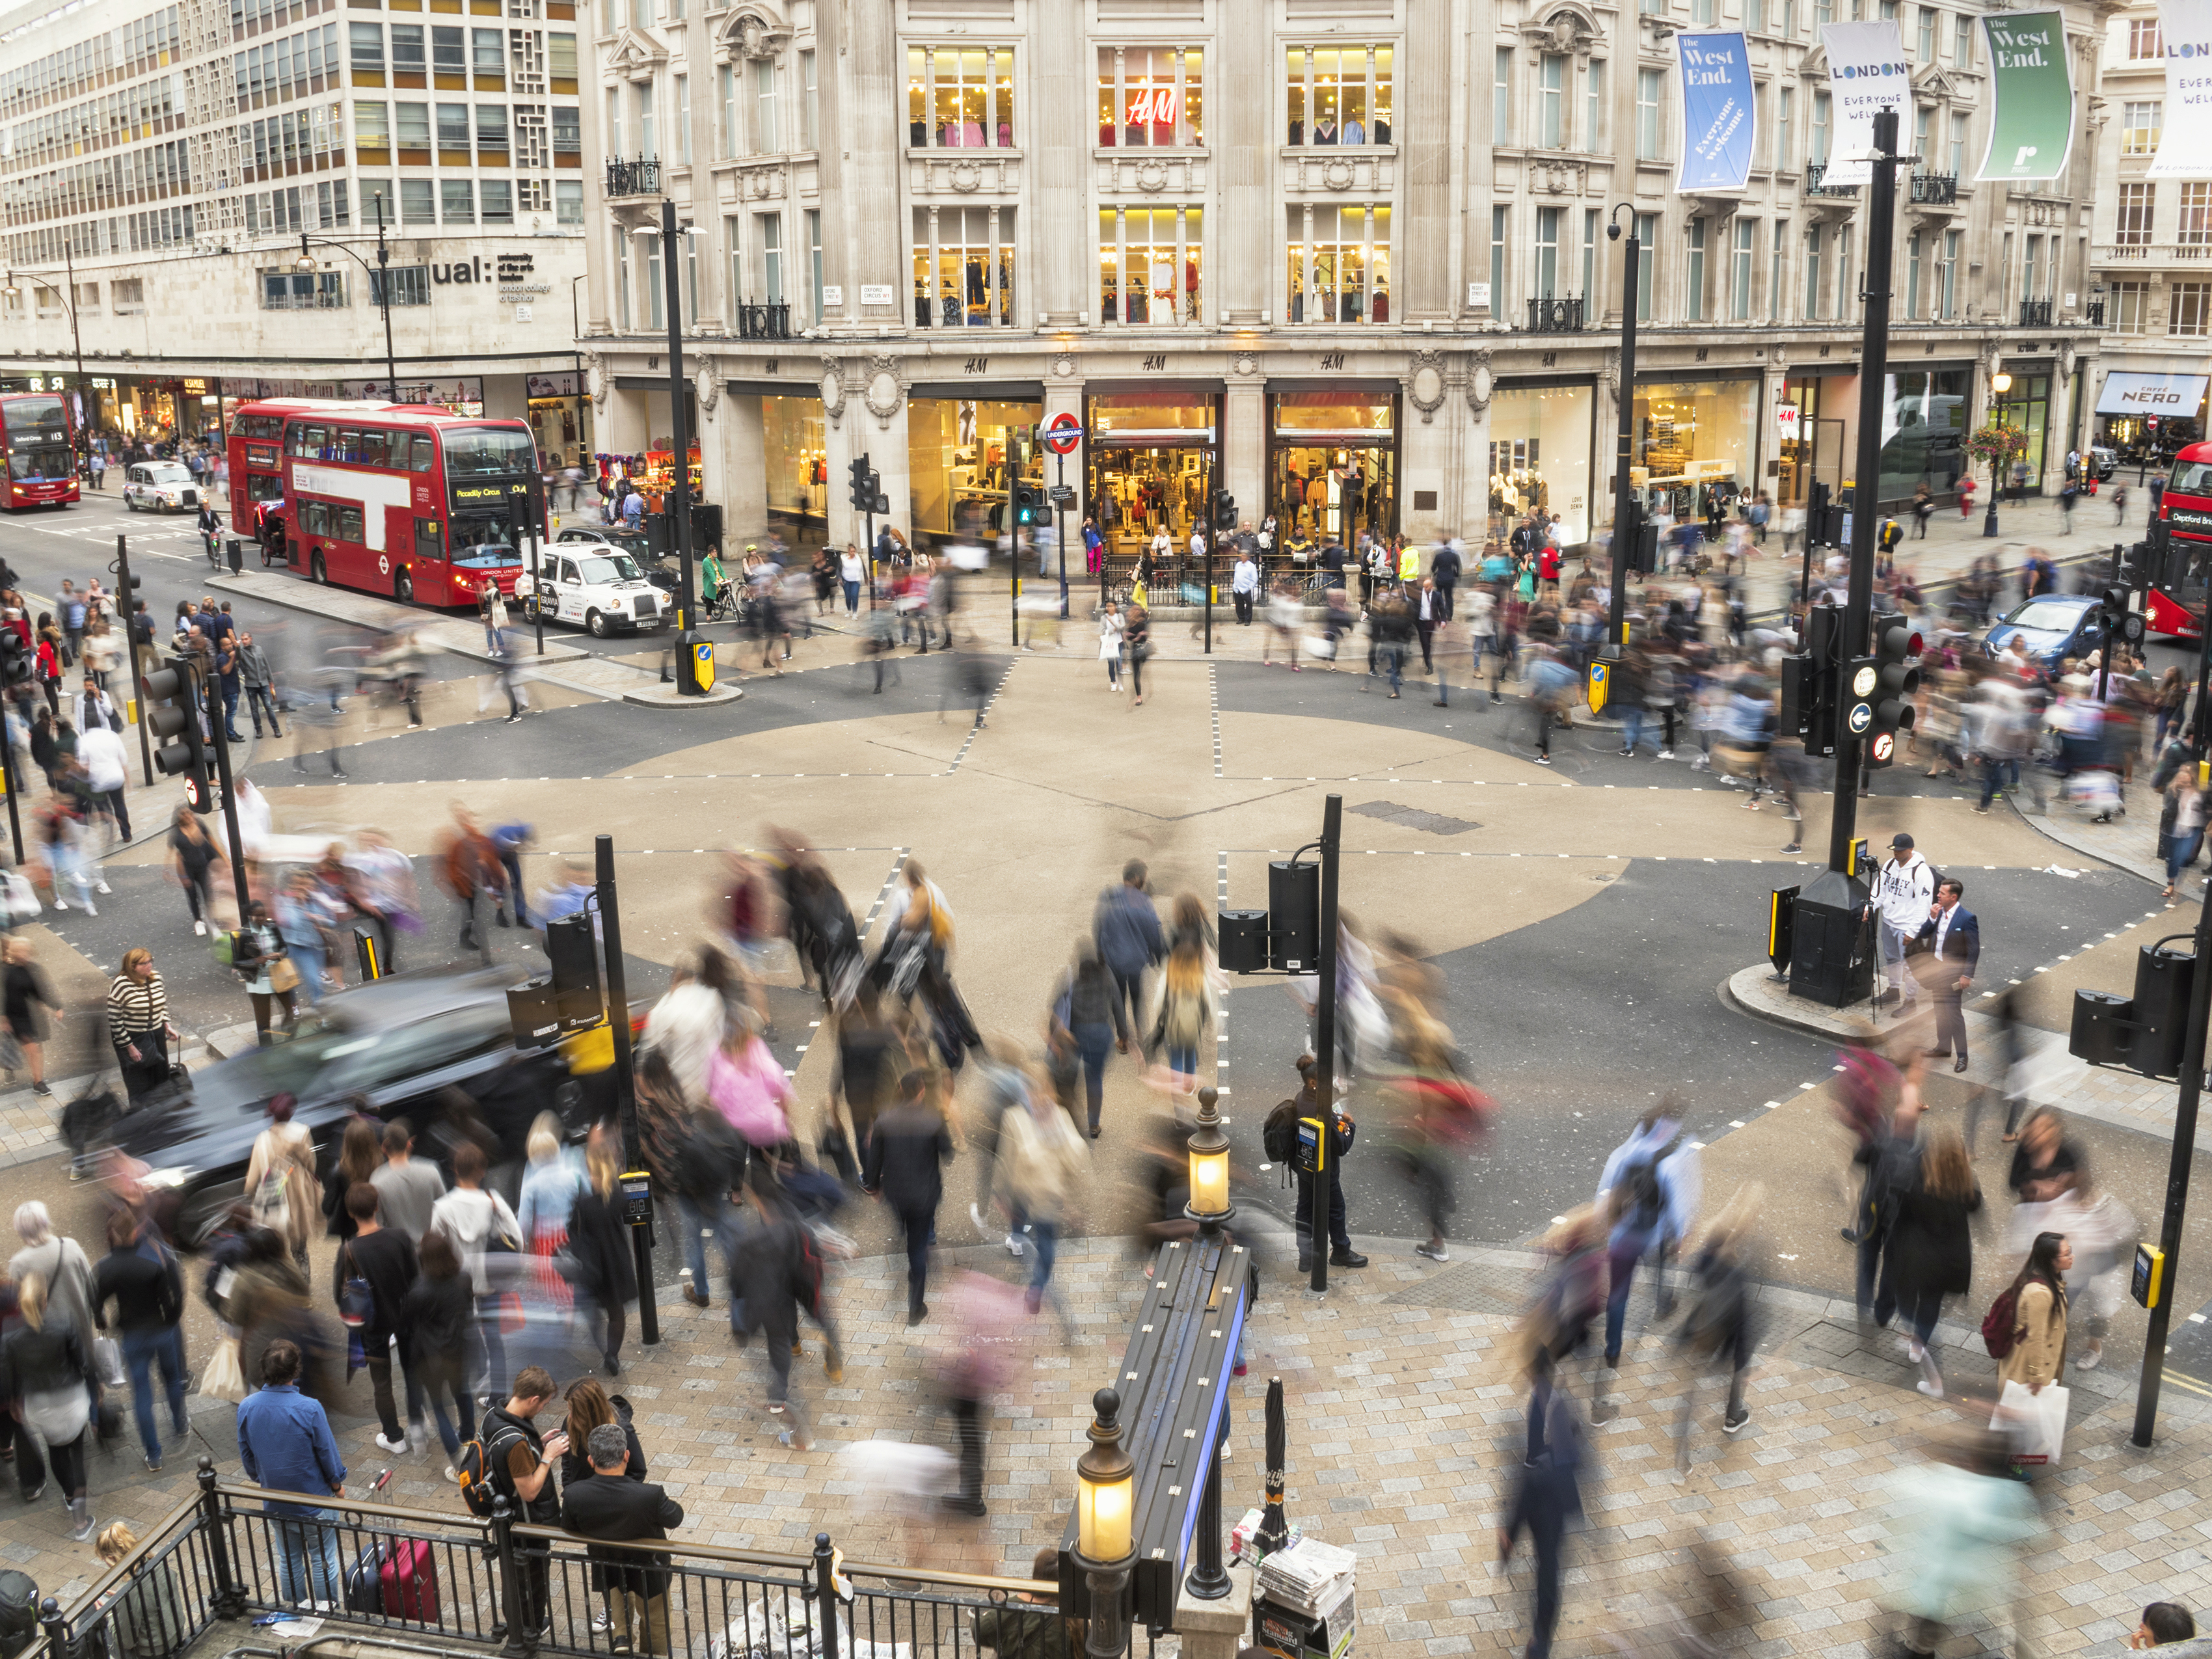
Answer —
(402, 588)
(316, 571)
(597, 621)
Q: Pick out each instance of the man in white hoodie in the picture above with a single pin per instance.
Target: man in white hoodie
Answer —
(1904, 889)
(487, 1237)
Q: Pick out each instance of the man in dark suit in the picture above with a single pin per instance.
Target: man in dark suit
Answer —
(1549, 1493)
(1953, 937)
(613, 1506)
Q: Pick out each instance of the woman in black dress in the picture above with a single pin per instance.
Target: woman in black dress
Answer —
(28, 998)
(192, 858)
(1931, 1246)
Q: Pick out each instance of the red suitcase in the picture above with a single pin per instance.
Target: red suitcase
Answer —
(409, 1577)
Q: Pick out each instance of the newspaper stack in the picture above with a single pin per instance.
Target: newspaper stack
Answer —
(1310, 1577)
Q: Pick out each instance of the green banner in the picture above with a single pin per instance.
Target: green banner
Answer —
(2032, 126)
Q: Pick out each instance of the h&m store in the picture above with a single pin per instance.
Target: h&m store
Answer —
(1332, 444)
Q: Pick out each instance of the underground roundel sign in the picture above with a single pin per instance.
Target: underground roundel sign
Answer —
(1861, 718)
(383, 565)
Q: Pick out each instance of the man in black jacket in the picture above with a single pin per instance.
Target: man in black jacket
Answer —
(613, 1506)
(906, 1169)
(1549, 1493)
(149, 1292)
(1444, 568)
(383, 1258)
(1953, 937)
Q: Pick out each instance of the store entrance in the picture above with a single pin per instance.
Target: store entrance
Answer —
(1153, 456)
(1321, 495)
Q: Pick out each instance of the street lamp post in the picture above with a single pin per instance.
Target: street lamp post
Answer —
(381, 276)
(1626, 532)
(680, 495)
(2000, 383)
(1105, 1519)
(1209, 1206)
(76, 339)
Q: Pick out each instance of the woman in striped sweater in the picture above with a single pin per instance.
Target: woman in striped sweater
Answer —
(138, 1023)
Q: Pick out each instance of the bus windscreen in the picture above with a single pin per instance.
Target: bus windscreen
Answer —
(479, 452)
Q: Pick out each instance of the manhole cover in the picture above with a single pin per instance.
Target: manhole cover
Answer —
(1435, 823)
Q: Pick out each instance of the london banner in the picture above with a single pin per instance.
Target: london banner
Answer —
(1867, 73)
(2184, 143)
(1718, 112)
(2032, 125)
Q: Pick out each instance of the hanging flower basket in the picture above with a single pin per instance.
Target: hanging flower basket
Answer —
(1993, 446)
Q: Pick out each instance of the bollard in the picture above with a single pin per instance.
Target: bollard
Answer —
(229, 1600)
(825, 1595)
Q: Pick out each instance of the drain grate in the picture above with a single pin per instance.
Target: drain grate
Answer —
(1435, 823)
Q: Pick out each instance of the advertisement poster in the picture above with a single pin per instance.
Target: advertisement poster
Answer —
(2185, 145)
(2032, 125)
(1867, 72)
(1718, 113)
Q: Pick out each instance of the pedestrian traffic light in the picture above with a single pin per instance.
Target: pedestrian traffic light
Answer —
(866, 485)
(1225, 511)
(1029, 504)
(2117, 619)
(1897, 677)
(174, 696)
(15, 659)
(1811, 682)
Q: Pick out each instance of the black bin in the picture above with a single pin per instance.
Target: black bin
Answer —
(2162, 981)
(2101, 1033)
(1243, 940)
(1293, 914)
(1830, 961)
(235, 554)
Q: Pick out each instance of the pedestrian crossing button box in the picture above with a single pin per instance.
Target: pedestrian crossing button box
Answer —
(2103, 1029)
(1243, 935)
(2148, 1282)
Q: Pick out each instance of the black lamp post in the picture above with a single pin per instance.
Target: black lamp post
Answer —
(382, 278)
(2000, 383)
(679, 494)
(1105, 1517)
(76, 339)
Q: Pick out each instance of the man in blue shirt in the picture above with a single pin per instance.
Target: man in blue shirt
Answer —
(284, 1442)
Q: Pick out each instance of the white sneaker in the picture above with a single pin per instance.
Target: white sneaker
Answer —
(1933, 1390)
(397, 1447)
(102, 887)
(1666, 754)
(89, 910)
(60, 903)
(200, 929)
(453, 1474)
(2091, 1360)
(1014, 1246)
(1914, 1351)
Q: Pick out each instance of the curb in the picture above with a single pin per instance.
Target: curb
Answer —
(1837, 1025)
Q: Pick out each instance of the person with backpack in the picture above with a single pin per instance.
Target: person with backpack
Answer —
(774, 1271)
(376, 1268)
(1087, 1016)
(1931, 1246)
(513, 1461)
(280, 1178)
(1279, 1139)
(695, 1157)
(1045, 1164)
(2024, 1329)
(1903, 894)
(142, 1276)
(1548, 1493)
(1891, 1156)
(1721, 1324)
(1649, 1191)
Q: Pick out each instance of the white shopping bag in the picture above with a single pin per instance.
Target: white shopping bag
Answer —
(2035, 1422)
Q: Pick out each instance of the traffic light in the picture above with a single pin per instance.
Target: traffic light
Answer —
(1897, 677)
(1029, 504)
(174, 696)
(2117, 618)
(16, 666)
(1224, 511)
(1811, 682)
(867, 484)
(1817, 533)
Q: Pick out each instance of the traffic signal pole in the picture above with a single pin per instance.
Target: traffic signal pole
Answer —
(641, 1237)
(1331, 837)
(125, 586)
(217, 720)
(1873, 358)
(8, 775)
(1626, 532)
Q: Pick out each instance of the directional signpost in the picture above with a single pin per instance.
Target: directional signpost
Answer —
(1062, 433)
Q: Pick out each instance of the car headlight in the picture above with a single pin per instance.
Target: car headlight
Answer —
(165, 1180)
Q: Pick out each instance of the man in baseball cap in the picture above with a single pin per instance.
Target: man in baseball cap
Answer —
(1903, 888)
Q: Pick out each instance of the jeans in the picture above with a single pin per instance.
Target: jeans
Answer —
(511, 861)
(1045, 1235)
(1094, 1040)
(851, 598)
(1627, 1249)
(230, 707)
(917, 1224)
(2181, 853)
(307, 1567)
(444, 1379)
(1919, 1310)
(258, 703)
(1182, 1059)
(1131, 987)
(308, 960)
(141, 1350)
(698, 1220)
(1998, 774)
(1546, 1529)
(1394, 664)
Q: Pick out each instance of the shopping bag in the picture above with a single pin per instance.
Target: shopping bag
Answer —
(2035, 1422)
(224, 1378)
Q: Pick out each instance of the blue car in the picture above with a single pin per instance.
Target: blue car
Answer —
(2051, 627)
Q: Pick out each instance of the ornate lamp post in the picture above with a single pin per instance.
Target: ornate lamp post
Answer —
(1105, 1517)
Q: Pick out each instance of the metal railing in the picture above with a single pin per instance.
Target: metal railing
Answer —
(423, 1575)
(1935, 189)
(1816, 173)
(2035, 314)
(2093, 314)
(764, 322)
(1563, 316)
(638, 177)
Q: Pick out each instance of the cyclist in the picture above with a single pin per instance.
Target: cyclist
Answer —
(710, 578)
(210, 522)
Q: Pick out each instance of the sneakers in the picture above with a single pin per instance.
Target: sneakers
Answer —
(453, 1474)
(915, 1315)
(1543, 760)
(1666, 754)
(1734, 1423)
(102, 887)
(153, 1462)
(1933, 1390)
(1434, 1252)
(966, 1505)
(39, 1087)
(1627, 754)
(199, 929)
(2091, 1360)
(397, 1447)
(89, 910)
(80, 1510)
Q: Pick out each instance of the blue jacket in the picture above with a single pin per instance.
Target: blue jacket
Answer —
(1127, 931)
(284, 1441)
(1681, 1181)
(1962, 940)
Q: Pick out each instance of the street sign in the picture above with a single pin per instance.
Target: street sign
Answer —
(1061, 494)
(1062, 433)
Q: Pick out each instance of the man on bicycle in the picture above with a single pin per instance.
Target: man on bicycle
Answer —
(211, 523)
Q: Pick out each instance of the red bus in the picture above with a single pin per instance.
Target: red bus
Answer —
(34, 430)
(403, 499)
(2181, 547)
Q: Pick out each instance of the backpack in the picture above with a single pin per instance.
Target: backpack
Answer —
(19, 1612)
(1278, 1137)
(1645, 1201)
(2001, 1325)
(475, 1465)
(272, 1206)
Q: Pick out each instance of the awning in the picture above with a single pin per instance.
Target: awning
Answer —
(2126, 393)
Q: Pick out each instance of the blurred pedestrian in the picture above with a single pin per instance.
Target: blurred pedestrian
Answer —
(598, 1244)
(1186, 1011)
(1046, 1166)
(46, 1360)
(383, 1260)
(905, 1169)
(284, 1442)
(480, 1225)
(1960, 1525)
(774, 1271)
(1125, 927)
(1931, 1245)
(361, 1150)
(551, 1187)
(1087, 1015)
(1891, 1156)
(28, 998)
(142, 1276)
(1649, 1190)
(193, 857)
(1720, 1328)
(436, 1317)
(696, 1158)
(1548, 1493)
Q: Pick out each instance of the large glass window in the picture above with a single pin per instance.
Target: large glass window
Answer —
(1547, 253)
(1949, 297)
(1151, 262)
(1500, 217)
(959, 97)
(1593, 105)
(2140, 122)
(1694, 299)
(640, 105)
(1540, 458)
(767, 129)
(418, 201)
(2131, 307)
(368, 40)
(2194, 226)
(964, 267)
(411, 126)
(2189, 310)
(1647, 267)
(1151, 95)
(456, 201)
(407, 57)
(453, 128)
(1955, 151)
(2131, 226)
(448, 56)
(1332, 464)
(1648, 84)
(726, 81)
(1815, 301)
(1692, 438)
(1741, 269)
(2144, 39)
(1912, 244)
(1785, 108)
(1339, 264)
(1818, 153)
(1338, 95)
(1776, 289)
(1501, 97)
(962, 457)
(1551, 101)
(1925, 432)
(771, 246)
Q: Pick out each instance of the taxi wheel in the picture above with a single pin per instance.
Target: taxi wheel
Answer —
(402, 588)
(316, 570)
(596, 623)
(129, 504)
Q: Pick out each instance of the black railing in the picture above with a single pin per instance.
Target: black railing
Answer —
(764, 322)
(2093, 314)
(2035, 314)
(633, 177)
(1556, 316)
(1816, 173)
(1935, 189)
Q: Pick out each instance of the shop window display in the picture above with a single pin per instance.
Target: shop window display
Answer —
(1339, 263)
(1150, 454)
(1150, 263)
(1333, 466)
(796, 458)
(1540, 458)
(2025, 408)
(964, 267)
(963, 455)
(1338, 95)
(1695, 444)
(1151, 97)
(960, 97)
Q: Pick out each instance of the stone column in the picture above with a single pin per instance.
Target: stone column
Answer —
(1244, 143)
(736, 463)
(832, 65)
(1215, 1630)
(1423, 272)
(860, 431)
(871, 129)
(1062, 120)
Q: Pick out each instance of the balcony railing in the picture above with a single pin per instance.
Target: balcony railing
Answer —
(764, 322)
(2150, 253)
(1563, 316)
(1815, 173)
(1935, 189)
(2035, 314)
(2093, 314)
(639, 177)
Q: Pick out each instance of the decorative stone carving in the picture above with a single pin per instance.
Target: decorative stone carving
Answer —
(1424, 388)
(833, 391)
(595, 382)
(1479, 382)
(1151, 177)
(1610, 374)
(761, 184)
(964, 177)
(708, 387)
(1556, 178)
(885, 390)
(1247, 363)
(756, 33)
(1336, 174)
(1064, 365)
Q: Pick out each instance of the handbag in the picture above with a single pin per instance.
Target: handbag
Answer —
(224, 1378)
(108, 1362)
(356, 1302)
(58, 1414)
(282, 976)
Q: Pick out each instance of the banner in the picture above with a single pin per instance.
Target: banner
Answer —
(1718, 112)
(1867, 73)
(2184, 144)
(2032, 119)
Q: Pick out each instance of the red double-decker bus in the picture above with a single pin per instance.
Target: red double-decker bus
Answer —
(2181, 547)
(34, 432)
(403, 499)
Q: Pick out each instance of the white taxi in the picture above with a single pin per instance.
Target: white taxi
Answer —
(593, 587)
(163, 486)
